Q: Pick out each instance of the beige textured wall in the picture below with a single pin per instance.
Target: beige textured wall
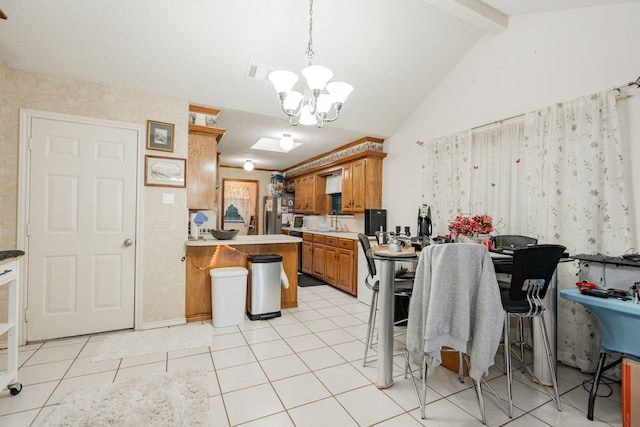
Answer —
(165, 226)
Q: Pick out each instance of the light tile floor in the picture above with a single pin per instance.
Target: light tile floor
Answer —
(302, 369)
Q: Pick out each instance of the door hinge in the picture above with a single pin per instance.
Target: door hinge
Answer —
(26, 315)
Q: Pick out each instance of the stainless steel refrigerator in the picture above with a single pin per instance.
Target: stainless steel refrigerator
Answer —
(272, 215)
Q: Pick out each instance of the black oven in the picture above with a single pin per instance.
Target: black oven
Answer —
(298, 234)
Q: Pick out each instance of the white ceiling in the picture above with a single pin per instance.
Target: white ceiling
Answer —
(394, 52)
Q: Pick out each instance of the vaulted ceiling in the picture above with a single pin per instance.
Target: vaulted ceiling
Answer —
(393, 53)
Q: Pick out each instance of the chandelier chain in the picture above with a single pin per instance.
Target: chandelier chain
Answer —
(309, 54)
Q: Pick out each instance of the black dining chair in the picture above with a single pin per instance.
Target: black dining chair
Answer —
(512, 241)
(532, 272)
(402, 288)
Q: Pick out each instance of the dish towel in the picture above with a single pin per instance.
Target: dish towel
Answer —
(200, 219)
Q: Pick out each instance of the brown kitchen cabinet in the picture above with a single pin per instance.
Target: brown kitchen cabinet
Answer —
(310, 197)
(346, 273)
(201, 259)
(305, 192)
(331, 259)
(362, 185)
(307, 253)
(318, 255)
(202, 167)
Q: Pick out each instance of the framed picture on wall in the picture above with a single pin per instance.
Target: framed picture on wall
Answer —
(159, 136)
(165, 171)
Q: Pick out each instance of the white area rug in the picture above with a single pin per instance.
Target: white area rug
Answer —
(160, 340)
(173, 399)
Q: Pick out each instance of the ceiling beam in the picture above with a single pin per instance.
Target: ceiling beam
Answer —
(474, 12)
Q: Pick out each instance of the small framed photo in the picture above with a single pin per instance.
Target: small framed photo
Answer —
(159, 136)
(165, 171)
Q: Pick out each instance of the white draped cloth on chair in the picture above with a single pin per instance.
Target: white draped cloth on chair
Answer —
(455, 303)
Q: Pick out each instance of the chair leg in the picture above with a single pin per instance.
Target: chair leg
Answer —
(460, 368)
(423, 402)
(478, 387)
(370, 327)
(507, 360)
(521, 342)
(552, 365)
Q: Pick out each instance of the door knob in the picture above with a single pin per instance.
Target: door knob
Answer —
(128, 243)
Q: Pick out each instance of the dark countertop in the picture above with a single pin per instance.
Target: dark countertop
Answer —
(603, 259)
(10, 254)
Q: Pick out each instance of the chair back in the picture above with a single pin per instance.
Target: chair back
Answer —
(512, 241)
(456, 303)
(533, 262)
(366, 247)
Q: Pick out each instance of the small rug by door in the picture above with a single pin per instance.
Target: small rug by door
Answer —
(138, 343)
(174, 399)
(305, 280)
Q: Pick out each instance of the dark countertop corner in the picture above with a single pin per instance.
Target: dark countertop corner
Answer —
(10, 254)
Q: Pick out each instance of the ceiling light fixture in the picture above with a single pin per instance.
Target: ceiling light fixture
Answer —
(312, 107)
(248, 166)
(286, 142)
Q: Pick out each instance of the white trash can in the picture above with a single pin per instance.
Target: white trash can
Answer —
(228, 295)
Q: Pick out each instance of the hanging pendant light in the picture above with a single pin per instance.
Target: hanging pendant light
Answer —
(312, 107)
(248, 166)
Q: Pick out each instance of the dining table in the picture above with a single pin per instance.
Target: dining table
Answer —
(386, 276)
(385, 311)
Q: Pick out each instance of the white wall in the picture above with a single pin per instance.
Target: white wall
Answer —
(541, 59)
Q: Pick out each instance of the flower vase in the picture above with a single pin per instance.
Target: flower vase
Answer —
(484, 237)
(464, 238)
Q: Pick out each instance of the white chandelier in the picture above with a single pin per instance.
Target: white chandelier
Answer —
(312, 107)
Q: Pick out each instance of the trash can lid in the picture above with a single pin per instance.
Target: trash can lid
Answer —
(228, 272)
(264, 258)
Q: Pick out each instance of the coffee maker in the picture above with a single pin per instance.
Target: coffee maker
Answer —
(424, 223)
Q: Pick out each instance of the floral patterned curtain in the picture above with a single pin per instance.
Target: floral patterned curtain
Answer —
(557, 176)
(447, 178)
(577, 198)
(498, 176)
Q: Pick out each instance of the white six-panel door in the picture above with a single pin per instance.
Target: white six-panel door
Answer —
(81, 228)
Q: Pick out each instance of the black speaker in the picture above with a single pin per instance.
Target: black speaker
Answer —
(374, 220)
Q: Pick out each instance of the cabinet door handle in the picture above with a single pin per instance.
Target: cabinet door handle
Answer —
(5, 272)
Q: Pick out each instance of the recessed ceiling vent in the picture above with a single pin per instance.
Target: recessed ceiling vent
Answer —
(258, 72)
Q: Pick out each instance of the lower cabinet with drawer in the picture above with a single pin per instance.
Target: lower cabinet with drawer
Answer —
(331, 259)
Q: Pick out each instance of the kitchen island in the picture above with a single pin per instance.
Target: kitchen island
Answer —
(204, 254)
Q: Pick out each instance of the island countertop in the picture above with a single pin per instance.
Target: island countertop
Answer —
(258, 239)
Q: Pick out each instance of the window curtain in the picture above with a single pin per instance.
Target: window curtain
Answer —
(577, 198)
(239, 195)
(498, 177)
(446, 178)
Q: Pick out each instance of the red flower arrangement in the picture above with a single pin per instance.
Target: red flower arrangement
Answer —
(471, 225)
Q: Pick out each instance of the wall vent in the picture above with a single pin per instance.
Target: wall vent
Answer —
(258, 72)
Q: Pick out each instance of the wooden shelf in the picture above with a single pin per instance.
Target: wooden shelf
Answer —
(205, 130)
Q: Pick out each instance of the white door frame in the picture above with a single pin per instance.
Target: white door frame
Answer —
(26, 116)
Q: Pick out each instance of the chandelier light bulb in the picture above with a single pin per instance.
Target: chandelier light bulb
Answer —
(248, 166)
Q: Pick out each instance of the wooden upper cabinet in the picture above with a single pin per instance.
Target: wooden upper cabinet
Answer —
(202, 163)
(309, 194)
(362, 185)
(201, 172)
